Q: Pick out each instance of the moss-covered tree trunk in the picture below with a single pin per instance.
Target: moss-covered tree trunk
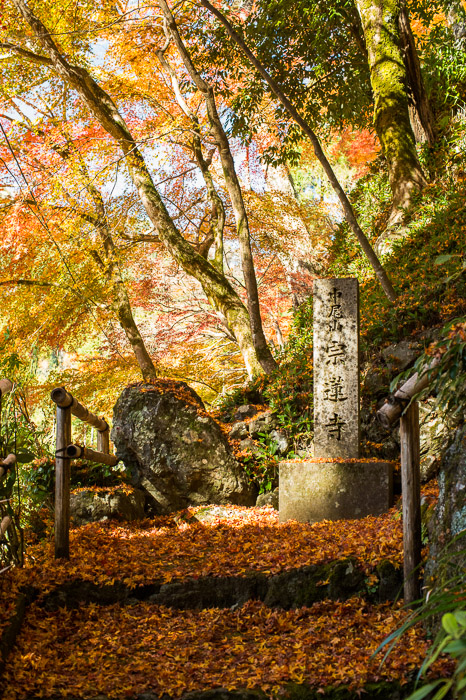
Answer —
(456, 17)
(422, 118)
(380, 20)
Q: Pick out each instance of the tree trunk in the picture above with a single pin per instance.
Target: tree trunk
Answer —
(380, 20)
(101, 106)
(264, 354)
(120, 302)
(422, 119)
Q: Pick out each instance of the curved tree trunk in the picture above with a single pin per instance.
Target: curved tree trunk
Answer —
(320, 155)
(100, 104)
(110, 266)
(120, 302)
(264, 354)
(380, 20)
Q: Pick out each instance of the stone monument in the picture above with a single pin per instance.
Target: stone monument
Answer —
(336, 483)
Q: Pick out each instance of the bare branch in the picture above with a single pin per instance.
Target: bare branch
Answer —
(25, 53)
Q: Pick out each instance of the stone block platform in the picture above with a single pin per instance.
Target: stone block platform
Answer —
(314, 490)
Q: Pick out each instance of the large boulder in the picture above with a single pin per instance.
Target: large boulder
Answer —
(174, 449)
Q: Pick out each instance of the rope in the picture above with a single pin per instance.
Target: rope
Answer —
(60, 453)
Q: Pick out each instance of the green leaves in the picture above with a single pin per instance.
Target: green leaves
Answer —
(441, 259)
(424, 691)
(24, 456)
(451, 638)
(450, 625)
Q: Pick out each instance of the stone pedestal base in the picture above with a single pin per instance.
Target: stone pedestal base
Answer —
(312, 491)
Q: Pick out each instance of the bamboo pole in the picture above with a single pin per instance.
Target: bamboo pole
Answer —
(65, 400)
(103, 441)
(62, 484)
(411, 493)
(393, 408)
(79, 452)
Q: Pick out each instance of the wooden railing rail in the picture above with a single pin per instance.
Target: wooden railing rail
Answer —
(394, 405)
(79, 452)
(6, 385)
(65, 451)
(402, 406)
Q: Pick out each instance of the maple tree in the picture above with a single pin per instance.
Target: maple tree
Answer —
(91, 213)
(195, 262)
(332, 64)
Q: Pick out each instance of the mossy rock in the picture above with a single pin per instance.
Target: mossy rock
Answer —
(176, 451)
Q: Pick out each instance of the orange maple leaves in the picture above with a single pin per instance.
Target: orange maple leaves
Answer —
(124, 650)
(121, 651)
(241, 541)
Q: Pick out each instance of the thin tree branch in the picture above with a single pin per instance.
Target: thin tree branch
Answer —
(320, 155)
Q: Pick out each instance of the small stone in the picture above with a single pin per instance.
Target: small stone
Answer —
(262, 424)
(90, 506)
(210, 513)
(401, 355)
(239, 431)
(280, 440)
(268, 498)
(245, 411)
(249, 445)
(429, 467)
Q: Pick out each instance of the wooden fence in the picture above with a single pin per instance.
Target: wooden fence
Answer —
(65, 451)
(401, 407)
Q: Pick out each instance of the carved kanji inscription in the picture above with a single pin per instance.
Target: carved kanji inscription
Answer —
(336, 368)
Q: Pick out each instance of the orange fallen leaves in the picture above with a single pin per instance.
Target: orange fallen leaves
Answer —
(123, 650)
(244, 540)
(237, 541)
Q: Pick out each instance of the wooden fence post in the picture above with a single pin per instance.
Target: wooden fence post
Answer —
(411, 496)
(103, 441)
(62, 484)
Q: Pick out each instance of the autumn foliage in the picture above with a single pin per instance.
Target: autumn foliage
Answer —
(122, 650)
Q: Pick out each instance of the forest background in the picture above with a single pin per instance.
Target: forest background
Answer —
(174, 178)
